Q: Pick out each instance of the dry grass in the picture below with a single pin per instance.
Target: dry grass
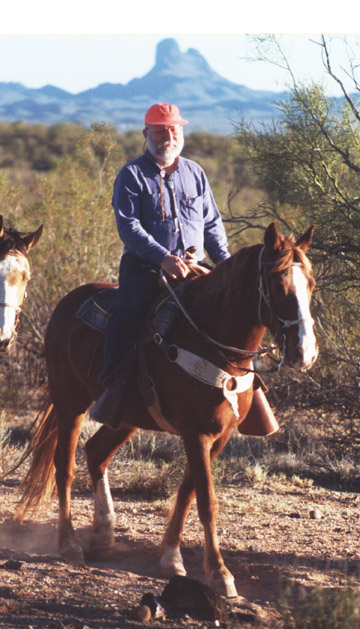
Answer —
(150, 464)
(321, 608)
(150, 467)
(153, 462)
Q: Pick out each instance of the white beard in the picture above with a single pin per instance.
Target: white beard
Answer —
(166, 152)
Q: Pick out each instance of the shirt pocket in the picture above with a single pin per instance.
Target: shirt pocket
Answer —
(150, 208)
(194, 207)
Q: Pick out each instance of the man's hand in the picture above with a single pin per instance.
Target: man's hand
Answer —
(174, 266)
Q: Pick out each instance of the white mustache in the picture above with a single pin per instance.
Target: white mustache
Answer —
(167, 145)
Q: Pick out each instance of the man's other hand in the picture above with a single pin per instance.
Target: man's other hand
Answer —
(174, 266)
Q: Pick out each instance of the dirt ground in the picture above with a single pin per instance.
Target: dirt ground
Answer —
(273, 534)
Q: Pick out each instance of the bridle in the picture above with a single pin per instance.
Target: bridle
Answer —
(264, 296)
(6, 305)
(16, 322)
(17, 308)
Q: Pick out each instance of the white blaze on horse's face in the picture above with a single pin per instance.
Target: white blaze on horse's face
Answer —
(14, 275)
(307, 345)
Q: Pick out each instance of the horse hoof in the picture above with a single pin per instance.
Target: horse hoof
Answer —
(173, 570)
(73, 554)
(101, 541)
(223, 584)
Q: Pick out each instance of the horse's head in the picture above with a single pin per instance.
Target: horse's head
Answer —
(285, 286)
(14, 276)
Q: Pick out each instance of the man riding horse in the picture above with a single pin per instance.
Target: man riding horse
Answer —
(163, 205)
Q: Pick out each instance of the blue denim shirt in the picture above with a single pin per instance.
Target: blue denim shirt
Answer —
(154, 221)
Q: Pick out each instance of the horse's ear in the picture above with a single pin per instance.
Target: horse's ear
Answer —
(31, 239)
(1, 226)
(272, 237)
(304, 241)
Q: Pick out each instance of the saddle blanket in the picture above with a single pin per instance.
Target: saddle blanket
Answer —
(97, 310)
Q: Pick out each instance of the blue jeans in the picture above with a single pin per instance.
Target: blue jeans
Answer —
(138, 287)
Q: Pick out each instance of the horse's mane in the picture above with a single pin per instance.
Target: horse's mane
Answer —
(12, 240)
(225, 278)
(230, 275)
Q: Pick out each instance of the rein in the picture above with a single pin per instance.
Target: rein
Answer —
(235, 350)
(205, 371)
(269, 351)
(264, 295)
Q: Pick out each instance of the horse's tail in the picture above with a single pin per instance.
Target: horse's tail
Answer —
(39, 485)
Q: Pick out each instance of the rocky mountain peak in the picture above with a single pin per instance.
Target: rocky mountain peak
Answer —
(170, 60)
(167, 53)
(206, 99)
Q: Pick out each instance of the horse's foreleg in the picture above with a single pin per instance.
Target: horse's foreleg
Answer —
(64, 460)
(171, 561)
(99, 451)
(200, 450)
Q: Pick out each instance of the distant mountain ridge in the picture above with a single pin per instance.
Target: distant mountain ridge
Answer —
(209, 101)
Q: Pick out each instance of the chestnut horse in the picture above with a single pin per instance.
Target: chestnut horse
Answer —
(14, 276)
(262, 285)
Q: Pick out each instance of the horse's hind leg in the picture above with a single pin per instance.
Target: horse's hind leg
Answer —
(99, 451)
(64, 459)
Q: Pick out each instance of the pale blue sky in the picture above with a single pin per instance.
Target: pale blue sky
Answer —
(78, 45)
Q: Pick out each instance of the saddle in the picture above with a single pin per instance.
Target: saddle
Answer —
(97, 310)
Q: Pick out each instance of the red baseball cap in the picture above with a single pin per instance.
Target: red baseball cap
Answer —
(164, 114)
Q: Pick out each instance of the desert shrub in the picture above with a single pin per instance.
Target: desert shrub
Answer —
(79, 242)
(308, 166)
(321, 608)
(149, 465)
